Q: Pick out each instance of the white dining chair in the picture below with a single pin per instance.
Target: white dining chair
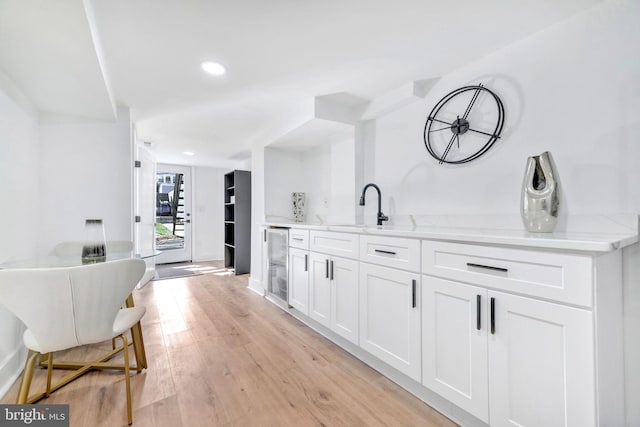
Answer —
(70, 307)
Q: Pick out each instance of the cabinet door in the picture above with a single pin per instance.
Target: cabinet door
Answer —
(344, 297)
(541, 364)
(299, 280)
(319, 289)
(390, 317)
(454, 343)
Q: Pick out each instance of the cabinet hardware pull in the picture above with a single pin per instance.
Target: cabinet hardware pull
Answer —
(326, 268)
(331, 271)
(265, 234)
(493, 316)
(413, 293)
(384, 252)
(298, 239)
(487, 267)
(306, 262)
(478, 307)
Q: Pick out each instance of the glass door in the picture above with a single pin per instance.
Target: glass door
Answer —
(278, 263)
(173, 213)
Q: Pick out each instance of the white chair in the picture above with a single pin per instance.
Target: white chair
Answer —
(69, 307)
(72, 249)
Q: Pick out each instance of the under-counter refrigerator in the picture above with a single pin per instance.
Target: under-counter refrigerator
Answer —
(278, 264)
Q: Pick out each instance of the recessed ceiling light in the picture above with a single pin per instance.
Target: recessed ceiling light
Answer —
(213, 68)
(188, 153)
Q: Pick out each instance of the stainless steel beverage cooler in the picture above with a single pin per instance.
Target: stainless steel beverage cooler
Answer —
(278, 265)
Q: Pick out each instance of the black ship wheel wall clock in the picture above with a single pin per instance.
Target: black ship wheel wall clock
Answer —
(464, 125)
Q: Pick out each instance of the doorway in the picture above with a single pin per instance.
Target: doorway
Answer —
(173, 213)
(144, 196)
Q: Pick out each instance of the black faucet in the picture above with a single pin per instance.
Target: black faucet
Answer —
(381, 216)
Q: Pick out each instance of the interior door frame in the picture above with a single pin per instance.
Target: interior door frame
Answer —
(144, 208)
(184, 254)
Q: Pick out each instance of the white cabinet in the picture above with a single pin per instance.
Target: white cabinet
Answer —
(512, 336)
(562, 277)
(332, 243)
(390, 317)
(299, 279)
(391, 252)
(510, 360)
(454, 343)
(541, 363)
(344, 297)
(319, 289)
(333, 294)
(299, 238)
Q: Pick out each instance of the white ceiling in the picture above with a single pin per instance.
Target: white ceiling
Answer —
(74, 56)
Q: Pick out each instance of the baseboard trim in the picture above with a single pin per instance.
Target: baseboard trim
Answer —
(256, 286)
(11, 369)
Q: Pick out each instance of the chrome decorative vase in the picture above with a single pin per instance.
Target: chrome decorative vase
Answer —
(540, 200)
(298, 200)
(94, 248)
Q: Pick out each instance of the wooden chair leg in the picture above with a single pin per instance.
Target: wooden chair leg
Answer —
(27, 376)
(49, 372)
(127, 376)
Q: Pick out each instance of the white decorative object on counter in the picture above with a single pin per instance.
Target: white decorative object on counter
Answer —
(298, 199)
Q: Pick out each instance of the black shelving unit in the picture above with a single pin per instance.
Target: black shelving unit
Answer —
(237, 221)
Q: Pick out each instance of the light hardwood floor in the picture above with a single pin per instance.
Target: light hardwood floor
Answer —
(221, 355)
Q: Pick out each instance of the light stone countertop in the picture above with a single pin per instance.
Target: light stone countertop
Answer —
(602, 240)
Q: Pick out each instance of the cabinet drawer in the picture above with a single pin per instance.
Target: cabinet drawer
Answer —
(328, 242)
(391, 252)
(299, 238)
(551, 275)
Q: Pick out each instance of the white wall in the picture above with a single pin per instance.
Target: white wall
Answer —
(86, 172)
(284, 174)
(19, 171)
(342, 208)
(572, 89)
(316, 175)
(208, 213)
(329, 171)
(257, 215)
(325, 173)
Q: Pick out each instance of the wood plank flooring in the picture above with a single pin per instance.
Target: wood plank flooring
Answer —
(221, 355)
